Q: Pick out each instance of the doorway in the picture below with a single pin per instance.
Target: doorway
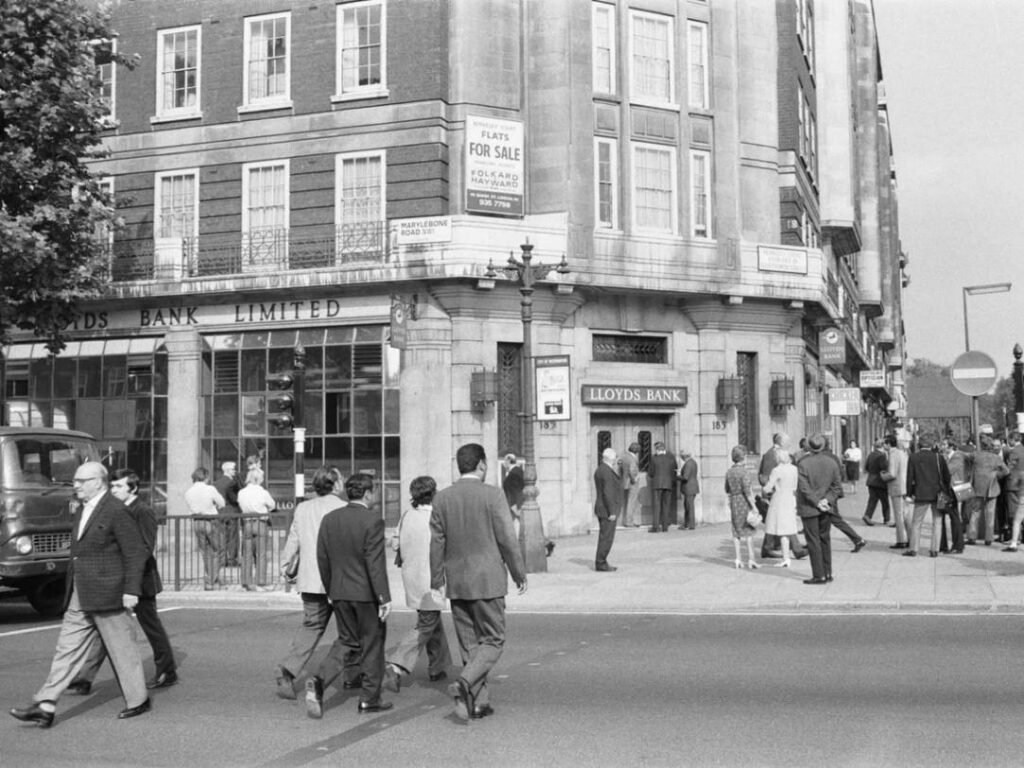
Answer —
(618, 431)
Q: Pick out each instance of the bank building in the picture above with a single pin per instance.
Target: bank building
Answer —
(709, 186)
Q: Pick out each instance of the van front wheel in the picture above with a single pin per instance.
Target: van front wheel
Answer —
(47, 596)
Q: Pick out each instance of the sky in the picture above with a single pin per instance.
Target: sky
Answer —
(952, 72)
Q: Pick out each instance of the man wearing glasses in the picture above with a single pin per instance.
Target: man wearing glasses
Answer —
(104, 581)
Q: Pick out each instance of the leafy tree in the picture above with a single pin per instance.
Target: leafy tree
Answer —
(52, 209)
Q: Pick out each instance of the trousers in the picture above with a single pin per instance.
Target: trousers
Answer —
(429, 635)
(316, 615)
(480, 629)
(819, 545)
(152, 628)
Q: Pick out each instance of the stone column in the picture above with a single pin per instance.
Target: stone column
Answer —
(184, 360)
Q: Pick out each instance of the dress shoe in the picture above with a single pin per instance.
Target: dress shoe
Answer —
(818, 580)
(34, 714)
(932, 553)
(464, 704)
(898, 545)
(315, 698)
(910, 553)
(79, 688)
(163, 680)
(484, 710)
(988, 542)
(605, 568)
(867, 520)
(1011, 548)
(829, 578)
(437, 676)
(142, 709)
(549, 547)
(392, 679)
(374, 706)
(859, 545)
(956, 551)
(286, 685)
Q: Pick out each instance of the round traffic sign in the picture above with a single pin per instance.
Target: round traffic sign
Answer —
(973, 373)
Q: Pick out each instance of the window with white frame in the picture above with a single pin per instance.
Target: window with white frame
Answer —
(604, 48)
(697, 52)
(267, 60)
(700, 193)
(654, 188)
(265, 196)
(805, 30)
(652, 58)
(104, 232)
(606, 183)
(106, 73)
(179, 53)
(362, 49)
(177, 204)
(360, 184)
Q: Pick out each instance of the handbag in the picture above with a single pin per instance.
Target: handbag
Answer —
(753, 518)
(886, 476)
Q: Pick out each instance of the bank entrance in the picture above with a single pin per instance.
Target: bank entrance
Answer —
(618, 431)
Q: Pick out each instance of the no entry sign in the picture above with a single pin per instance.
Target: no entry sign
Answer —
(973, 373)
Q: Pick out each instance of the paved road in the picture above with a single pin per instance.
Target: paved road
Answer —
(600, 689)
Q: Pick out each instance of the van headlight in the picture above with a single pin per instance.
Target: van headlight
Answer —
(23, 544)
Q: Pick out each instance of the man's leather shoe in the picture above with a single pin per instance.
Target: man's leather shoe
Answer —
(859, 545)
(829, 578)
(392, 679)
(484, 710)
(163, 680)
(867, 520)
(898, 545)
(33, 714)
(815, 581)
(142, 709)
(607, 568)
(79, 688)
(464, 704)
(374, 706)
(956, 551)
(910, 553)
(315, 698)
(286, 685)
(436, 676)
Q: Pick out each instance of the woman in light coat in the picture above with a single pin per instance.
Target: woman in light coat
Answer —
(781, 518)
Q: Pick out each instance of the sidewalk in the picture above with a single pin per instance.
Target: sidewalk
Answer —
(692, 572)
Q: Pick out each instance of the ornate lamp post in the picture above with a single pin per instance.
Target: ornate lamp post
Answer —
(527, 273)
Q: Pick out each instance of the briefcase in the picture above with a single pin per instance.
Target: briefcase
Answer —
(963, 491)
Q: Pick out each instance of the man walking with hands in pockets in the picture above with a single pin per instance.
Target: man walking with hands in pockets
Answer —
(472, 544)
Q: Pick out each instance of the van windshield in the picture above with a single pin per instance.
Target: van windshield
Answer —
(32, 461)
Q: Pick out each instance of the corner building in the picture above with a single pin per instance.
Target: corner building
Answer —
(353, 177)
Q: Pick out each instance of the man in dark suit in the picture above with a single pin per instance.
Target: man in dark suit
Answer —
(689, 486)
(125, 488)
(353, 569)
(927, 477)
(104, 581)
(607, 506)
(227, 486)
(876, 465)
(472, 544)
(819, 484)
(662, 478)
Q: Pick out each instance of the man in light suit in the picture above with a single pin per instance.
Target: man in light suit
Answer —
(104, 581)
(629, 472)
(353, 570)
(819, 485)
(690, 482)
(607, 505)
(125, 489)
(472, 544)
(662, 473)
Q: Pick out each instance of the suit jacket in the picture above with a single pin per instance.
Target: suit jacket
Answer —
(228, 488)
(689, 477)
(350, 555)
(898, 462)
(302, 538)
(818, 478)
(662, 471)
(472, 542)
(629, 470)
(988, 470)
(609, 492)
(927, 474)
(108, 558)
(876, 463)
(144, 517)
(769, 461)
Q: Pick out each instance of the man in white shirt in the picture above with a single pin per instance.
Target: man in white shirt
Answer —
(203, 502)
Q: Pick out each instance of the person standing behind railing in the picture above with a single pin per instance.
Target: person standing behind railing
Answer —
(227, 486)
(203, 501)
(256, 504)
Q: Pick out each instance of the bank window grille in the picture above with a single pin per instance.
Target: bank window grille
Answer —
(629, 349)
(645, 441)
(510, 398)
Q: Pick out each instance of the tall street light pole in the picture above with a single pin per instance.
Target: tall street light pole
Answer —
(978, 290)
(527, 273)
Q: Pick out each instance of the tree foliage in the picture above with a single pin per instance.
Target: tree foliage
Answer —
(52, 208)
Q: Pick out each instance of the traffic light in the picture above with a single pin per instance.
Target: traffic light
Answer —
(284, 408)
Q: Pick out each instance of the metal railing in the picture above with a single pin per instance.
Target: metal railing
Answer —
(182, 561)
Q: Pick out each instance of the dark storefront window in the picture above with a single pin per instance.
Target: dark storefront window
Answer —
(114, 389)
(351, 409)
(510, 398)
(746, 411)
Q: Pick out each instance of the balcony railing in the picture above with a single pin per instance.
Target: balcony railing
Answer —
(256, 251)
